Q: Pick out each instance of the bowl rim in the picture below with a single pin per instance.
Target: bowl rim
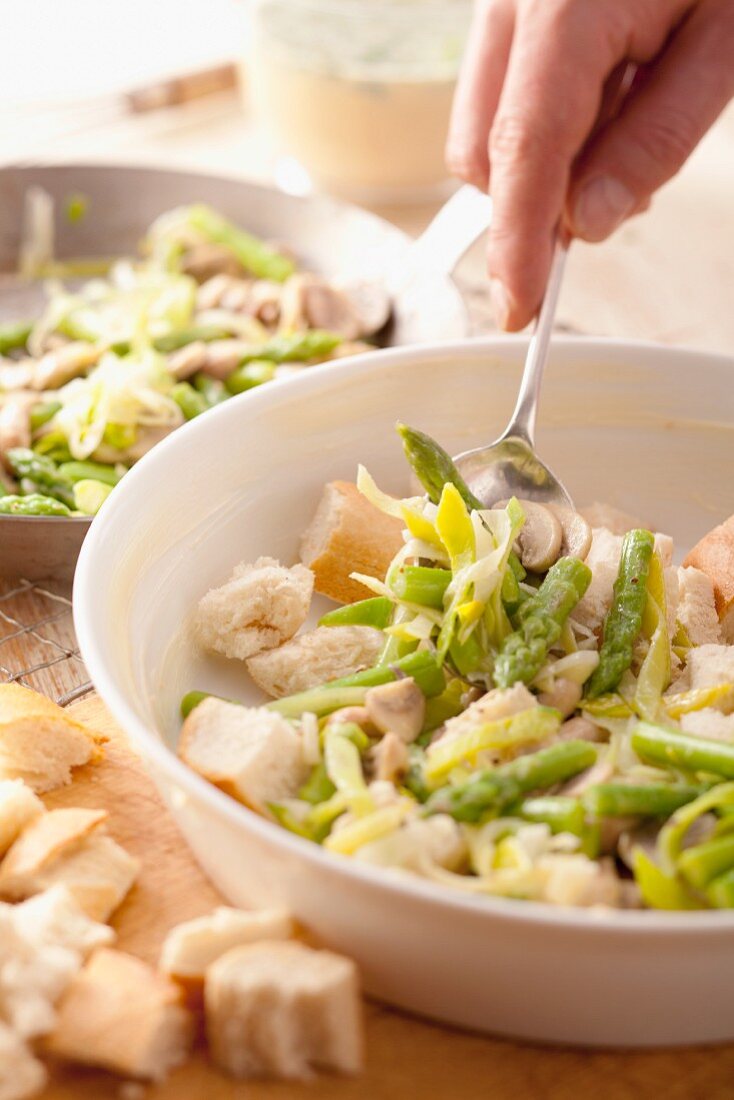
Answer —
(159, 757)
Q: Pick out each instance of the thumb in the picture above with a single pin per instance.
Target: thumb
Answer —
(660, 125)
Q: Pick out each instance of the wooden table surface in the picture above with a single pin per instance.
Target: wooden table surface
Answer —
(668, 276)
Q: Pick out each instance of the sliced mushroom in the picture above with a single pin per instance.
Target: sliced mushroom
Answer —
(187, 360)
(398, 707)
(308, 301)
(371, 303)
(576, 531)
(204, 261)
(211, 293)
(565, 696)
(56, 368)
(540, 538)
(390, 757)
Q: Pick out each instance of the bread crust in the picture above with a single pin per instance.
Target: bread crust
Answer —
(714, 555)
(348, 535)
(45, 839)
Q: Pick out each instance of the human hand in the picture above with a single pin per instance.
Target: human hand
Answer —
(529, 94)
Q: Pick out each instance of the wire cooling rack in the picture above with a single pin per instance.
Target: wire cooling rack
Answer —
(38, 647)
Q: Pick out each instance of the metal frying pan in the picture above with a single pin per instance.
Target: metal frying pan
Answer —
(331, 237)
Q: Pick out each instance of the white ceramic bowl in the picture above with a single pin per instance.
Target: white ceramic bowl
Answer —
(643, 427)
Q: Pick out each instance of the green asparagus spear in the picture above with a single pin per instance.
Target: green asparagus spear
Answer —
(211, 389)
(630, 800)
(249, 375)
(376, 612)
(190, 401)
(490, 792)
(433, 466)
(179, 338)
(296, 348)
(255, 255)
(42, 413)
(541, 619)
(42, 472)
(422, 585)
(94, 471)
(319, 701)
(669, 748)
(350, 690)
(14, 334)
(624, 619)
(34, 504)
(422, 666)
(563, 815)
(705, 862)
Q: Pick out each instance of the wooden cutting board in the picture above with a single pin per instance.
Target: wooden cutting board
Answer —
(408, 1059)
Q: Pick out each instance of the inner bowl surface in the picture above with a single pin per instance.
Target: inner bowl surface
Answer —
(642, 427)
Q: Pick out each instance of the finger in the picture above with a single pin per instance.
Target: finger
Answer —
(660, 125)
(560, 58)
(478, 91)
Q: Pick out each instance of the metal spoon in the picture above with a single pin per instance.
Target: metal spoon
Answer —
(509, 466)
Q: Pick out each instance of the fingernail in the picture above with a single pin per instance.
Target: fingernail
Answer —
(600, 207)
(500, 302)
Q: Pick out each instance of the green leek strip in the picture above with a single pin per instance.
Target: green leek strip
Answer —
(365, 829)
(533, 724)
(613, 705)
(654, 675)
(673, 833)
(375, 612)
(658, 889)
(455, 528)
(720, 892)
(702, 863)
(344, 769)
(442, 707)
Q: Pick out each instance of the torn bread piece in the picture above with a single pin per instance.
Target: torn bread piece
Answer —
(118, 1013)
(348, 535)
(603, 560)
(707, 666)
(281, 1009)
(714, 556)
(69, 847)
(55, 918)
(261, 606)
(311, 659)
(21, 1074)
(43, 943)
(18, 807)
(39, 742)
(191, 948)
(32, 977)
(697, 606)
(252, 753)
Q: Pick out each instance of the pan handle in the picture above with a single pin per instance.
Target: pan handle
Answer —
(455, 228)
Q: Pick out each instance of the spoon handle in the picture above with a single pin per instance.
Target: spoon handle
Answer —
(522, 421)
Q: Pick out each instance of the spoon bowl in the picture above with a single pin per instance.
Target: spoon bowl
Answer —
(510, 468)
